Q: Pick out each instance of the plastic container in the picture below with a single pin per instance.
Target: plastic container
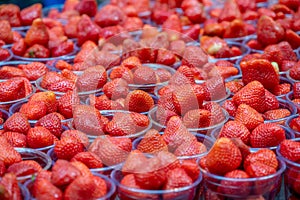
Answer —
(290, 78)
(291, 176)
(5, 116)
(287, 124)
(220, 187)
(191, 192)
(205, 131)
(31, 154)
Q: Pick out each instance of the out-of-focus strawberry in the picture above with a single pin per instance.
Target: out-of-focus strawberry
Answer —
(2, 168)
(235, 129)
(173, 27)
(6, 33)
(248, 116)
(37, 51)
(24, 168)
(223, 157)
(11, 13)
(66, 103)
(152, 142)
(191, 168)
(62, 49)
(44, 189)
(290, 150)
(16, 139)
(111, 150)
(7, 72)
(49, 98)
(51, 122)
(90, 159)
(122, 72)
(109, 15)
(12, 89)
(88, 7)
(165, 57)
(37, 34)
(18, 122)
(139, 101)
(87, 30)
(8, 154)
(230, 11)
(11, 187)
(70, 75)
(29, 14)
(19, 47)
(71, 27)
(39, 137)
(295, 124)
(77, 135)
(34, 110)
(144, 76)
(276, 114)
(183, 75)
(34, 70)
(281, 89)
(67, 148)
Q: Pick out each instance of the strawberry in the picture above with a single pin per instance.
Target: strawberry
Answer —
(37, 34)
(290, 150)
(215, 88)
(295, 124)
(66, 103)
(172, 26)
(90, 159)
(24, 168)
(111, 150)
(269, 31)
(34, 70)
(282, 89)
(2, 168)
(245, 149)
(77, 135)
(133, 162)
(248, 116)
(109, 15)
(230, 107)
(258, 169)
(18, 122)
(62, 86)
(63, 173)
(132, 62)
(165, 57)
(120, 125)
(11, 13)
(67, 148)
(216, 111)
(176, 133)
(9, 155)
(88, 7)
(70, 75)
(264, 156)
(84, 170)
(194, 57)
(190, 149)
(7, 72)
(11, 90)
(29, 14)
(63, 48)
(49, 98)
(225, 72)
(271, 102)
(52, 123)
(11, 187)
(199, 118)
(122, 72)
(292, 38)
(144, 75)
(87, 30)
(16, 139)
(234, 86)
(34, 110)
(139, 120)
(230, 11)
(138, 101)
(115, 89)
(235, 129)
(168, 161)
(61, 65)
(6, 33)
(107, 104)
(152, 142)
(276, 114)
(46, 190)
(39, 137)
(183, 75)
(191, 168)
(223, 157)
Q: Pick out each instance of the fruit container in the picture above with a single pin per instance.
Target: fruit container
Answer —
(288, 134)
(110, 195)
(206, 130)
(265, 187)
(4, 116)
(293, 128)
(31, 154)
(8, 53)
(191, 192)
(25, 192)
(148, 87)
(291, 175)
(206, 140)
(291, 99)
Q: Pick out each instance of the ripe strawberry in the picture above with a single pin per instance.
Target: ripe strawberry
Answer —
(223, 157)
(165, 57)
(133, 162)
(6, 33)
(34, 110)
(198, 118)
(84, 170)
(152, 142)
(90, 159)
(7, 72)
(248, 116)
(276, 114)
(44, 189)
(168, 161)
(16, 139)
(50, 78)
(138, 101)
(132, 62)
(29, 14)
(139, 120)
(63, 173)
(63, 48)
(2, 168)
(191, 167)
(87, 30)
(18, 122)
(235, 129)
(88, 7)
(61, 65)
(144, 75)
(245, 149)
(183, 75)
(230, 107)
(234, 86)
(52, 123)
(66, 103)
(194, 57)
(77, 135)
(120, 125)
(49, 98)
(67, 148)
(296, 90)
(257, 169)
(8, 154)
(24, 168)
(11, 90)
(109, 15)
(107, 104)
(115, 89)
(269, 31)
(190, 149)
(230, 11)
(62, 86)
(290, 150)
(271, 102)
(217, 113)
(10, 184)
(86, 187)
(281, 89)
(253, 94)
(176, 133)
(264, 156)
(37, 34)
(122, 72)
(215, 88)
(39, 137)
(111, 150)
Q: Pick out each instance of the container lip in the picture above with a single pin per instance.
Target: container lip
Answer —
(290, 78)
(287, 161)
(118, 184)
(154, 109)
(287, 123)
(22, 99)
(278, 172)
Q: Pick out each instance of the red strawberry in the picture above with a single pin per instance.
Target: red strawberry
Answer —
(90, 159)
(49, 98)
(111, 150)
(88, 7)
(230, 107)
(144, 75)
(295, 124)
(67, 102)
(133, 162)
(194, 57)
(139, 120)
(62, 86)
(24, 168)
(84, 170)
(223, 157)
(216, 111)
(191, 168)
(152, 142)
(230, 11)
(109, 15)
(63, 173)
(139, 101)
(165, 108)
(271, 102)
(260, 70)
(7, 72)
(199, 118)
(2, 168)
(120, 125)
(107, 104)
(34, 110)
(176, 133)
(168, 161)
(190, 149)
(269, 31)
(172, 26)
(290, 150)
(258, 169)
(235, 129)
(87, 30)
(16, 139)
(11, 90)
(165, 57)
(122, 72)
(44, 189)
(8, 154)
(234, 86)
(52, 123)
(131, 62)
(6, 33)
(264, 156)
(276, 114)
(77, 135)
(39, 137)
(61, 65)
(37, 34)
(215, 88)
(183, 75)
(67, 148)
(18, 122)
(296, 90)
(248, 116)
(115, 89)
(11, 187)
(282, 89)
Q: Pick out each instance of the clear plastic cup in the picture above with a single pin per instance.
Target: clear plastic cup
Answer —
(287, 124)
(206, 130)
(24, 191)
(220, 187)
(31, 154)
(5, 116)
(191, 192)
(291, 176)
